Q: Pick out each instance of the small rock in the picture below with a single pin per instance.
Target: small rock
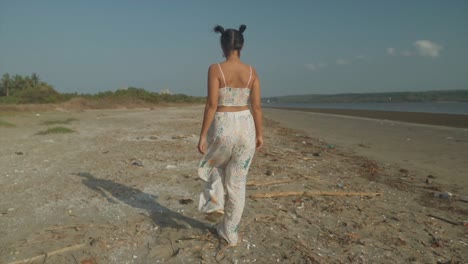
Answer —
(340, 185)
(464, 199)
(171, 167)
(429, 181)
(269, 173)
(186, 201)
(19, 153)
(316, 154)
(443, 195)
(137, 163)
(431, 176)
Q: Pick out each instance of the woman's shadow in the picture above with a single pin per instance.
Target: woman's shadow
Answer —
(161, 215)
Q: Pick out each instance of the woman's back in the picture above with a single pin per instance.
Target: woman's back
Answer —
(236, 75)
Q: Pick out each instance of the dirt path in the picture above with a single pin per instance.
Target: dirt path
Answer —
(123, 188)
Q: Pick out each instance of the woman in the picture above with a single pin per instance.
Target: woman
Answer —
(230, 135)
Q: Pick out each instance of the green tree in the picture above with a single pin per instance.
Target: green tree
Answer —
(35, 80)
(5, 83)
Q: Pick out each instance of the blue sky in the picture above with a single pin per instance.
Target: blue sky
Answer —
(298, 47)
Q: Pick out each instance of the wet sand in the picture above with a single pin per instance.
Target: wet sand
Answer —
(438, 119)
(435, 150)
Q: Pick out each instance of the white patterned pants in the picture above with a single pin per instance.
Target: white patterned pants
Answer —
(224, 167)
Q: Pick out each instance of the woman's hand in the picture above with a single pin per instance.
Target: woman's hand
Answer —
(202, 145)
(259, 143)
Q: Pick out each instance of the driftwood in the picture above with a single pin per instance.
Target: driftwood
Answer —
(312, 193)
(445, 220)
(49, 254)
(263, 183)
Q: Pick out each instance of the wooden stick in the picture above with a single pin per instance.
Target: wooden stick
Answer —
(444, 219)
(311, 194)
(255, 183)
(58, 251)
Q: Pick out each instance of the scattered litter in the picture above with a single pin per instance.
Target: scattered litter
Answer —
(269, 173)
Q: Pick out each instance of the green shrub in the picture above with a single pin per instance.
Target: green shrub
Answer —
(6, 124)
(56, 130)
(59, 122)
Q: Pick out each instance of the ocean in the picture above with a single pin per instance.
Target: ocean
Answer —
(440, 107)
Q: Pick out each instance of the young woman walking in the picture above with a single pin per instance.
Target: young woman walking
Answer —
(230, 134)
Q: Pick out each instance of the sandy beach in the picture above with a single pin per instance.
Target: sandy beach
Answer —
(122, 188)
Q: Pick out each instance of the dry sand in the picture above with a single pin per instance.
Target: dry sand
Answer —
(119, 190)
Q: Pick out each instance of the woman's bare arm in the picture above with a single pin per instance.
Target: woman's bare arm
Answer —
(255, 102)
(210, 107)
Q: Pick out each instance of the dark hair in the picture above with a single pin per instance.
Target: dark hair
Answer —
(231, 39)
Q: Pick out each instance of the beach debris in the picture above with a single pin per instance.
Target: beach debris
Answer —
(269, 173)
(446, 220)
(463, 199)
(340, 185)
(179, 137)
(186, 201)
(330, 146)
(136, 162)
(256, 183)
(431, 176)
(169, 167)
(404, 172)
(443, 195)
(89, 261)
(429, 181)
(312, 193)
(316, 154)
(46, 255)
(19, 153)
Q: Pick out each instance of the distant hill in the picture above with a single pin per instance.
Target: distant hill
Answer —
(392, 97)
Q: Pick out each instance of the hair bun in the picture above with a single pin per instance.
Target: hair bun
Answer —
(242, 28)
(219, 29)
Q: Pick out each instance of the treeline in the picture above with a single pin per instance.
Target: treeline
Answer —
(27, 89)
(19, 89)
(394, 97)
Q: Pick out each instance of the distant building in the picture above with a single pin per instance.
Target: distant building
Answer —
(165, 91)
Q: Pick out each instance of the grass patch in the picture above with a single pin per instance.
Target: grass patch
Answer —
(6, 124)
(56, 130)
(59, 122)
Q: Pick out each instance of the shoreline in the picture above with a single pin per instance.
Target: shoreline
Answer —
(438, 119)
(429, 150)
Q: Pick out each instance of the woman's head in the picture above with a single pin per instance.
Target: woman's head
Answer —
(231, 39)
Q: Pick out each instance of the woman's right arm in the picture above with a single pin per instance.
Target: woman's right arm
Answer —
(210, 107)
(255, 103)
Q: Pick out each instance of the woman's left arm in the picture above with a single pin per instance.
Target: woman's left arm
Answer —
(210, 107)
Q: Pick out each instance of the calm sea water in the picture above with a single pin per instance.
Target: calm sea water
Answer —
(445, 107)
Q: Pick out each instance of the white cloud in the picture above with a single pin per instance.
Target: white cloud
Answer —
(311, 66)
(315, 66)
(427, 48)
(406, 53)
(342, 62)
(391, 51)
